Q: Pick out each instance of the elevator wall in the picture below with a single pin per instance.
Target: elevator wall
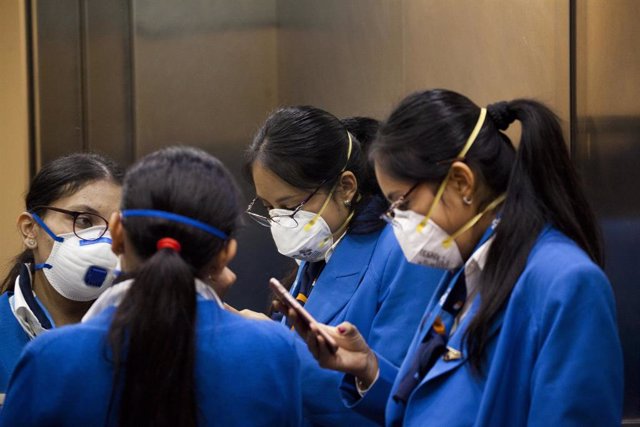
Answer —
(126, 77)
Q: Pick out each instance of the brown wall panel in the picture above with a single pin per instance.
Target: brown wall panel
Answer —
(205, 74)
(14, 126)
(607, 151)
(203, 82)
(361, 57)
(343, 56)
(107, 79)
(58, 78)
(206, 89)
(490, 50)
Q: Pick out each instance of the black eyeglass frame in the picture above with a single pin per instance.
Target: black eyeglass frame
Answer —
(388, 216)
(75, 215)
(266, 221)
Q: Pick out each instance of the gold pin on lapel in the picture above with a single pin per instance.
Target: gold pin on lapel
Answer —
(451, 354)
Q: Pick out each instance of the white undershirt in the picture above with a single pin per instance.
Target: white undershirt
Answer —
(115, 294)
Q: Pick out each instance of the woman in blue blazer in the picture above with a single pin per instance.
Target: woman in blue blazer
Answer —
(319, 197)
(69, 200)
(522, 329)
(159, 349)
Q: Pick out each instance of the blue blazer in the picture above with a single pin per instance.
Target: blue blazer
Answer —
(247, 374)
(554, 358)
(369, 283)
(13, 339)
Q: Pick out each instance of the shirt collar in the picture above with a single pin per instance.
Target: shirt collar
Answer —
(475, 265)
(23, 313)
(114, 295)
(332, 249)
(479, 257)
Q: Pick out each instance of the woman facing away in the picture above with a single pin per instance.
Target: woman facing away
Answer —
(159, 349)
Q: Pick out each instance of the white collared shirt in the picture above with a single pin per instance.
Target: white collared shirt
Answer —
(23, 313)
(115, 294)
(472, 271)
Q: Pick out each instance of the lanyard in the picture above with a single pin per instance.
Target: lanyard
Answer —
(433, 314)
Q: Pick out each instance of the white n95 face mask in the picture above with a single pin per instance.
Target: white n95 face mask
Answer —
(422, 241)
(80, 269)
(302, 242)
(431, 246)
(307, 237)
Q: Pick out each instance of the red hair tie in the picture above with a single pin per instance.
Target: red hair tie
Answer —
(168, 243)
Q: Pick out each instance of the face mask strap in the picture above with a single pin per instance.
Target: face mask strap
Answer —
(313, 221)
(44, 226)
(449, 240)
(341, 228)
(152, 213)
(461, 156)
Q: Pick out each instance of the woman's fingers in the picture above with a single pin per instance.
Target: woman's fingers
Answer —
(277, 306)
(301, 327)
(311, 339)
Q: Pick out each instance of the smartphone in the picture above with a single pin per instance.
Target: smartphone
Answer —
(287, 299)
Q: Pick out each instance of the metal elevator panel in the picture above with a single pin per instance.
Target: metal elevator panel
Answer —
(607, 152)
(82, 78)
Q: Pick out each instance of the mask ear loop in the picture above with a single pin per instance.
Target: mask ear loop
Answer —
(313, 221)
(44, 226)
(449, 240)
(467, 146)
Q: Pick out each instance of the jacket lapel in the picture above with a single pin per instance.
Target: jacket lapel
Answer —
(341, 276)
(456, 354)
(422, 330)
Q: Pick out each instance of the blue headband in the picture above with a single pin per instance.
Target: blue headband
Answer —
(175, 218)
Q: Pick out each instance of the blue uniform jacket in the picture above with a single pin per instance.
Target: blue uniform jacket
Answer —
(12, 338)
(369, 283)
(554, 359)
(247, 374)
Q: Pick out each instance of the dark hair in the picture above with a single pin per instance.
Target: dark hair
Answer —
(60, 178)
(305, 146)
(428, 129)
(153, 330)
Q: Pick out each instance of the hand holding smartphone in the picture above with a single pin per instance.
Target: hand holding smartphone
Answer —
(289, 301)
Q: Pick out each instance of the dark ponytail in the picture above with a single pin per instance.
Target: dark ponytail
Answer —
(57, 179)
(157, 319)
(306, 146)
(152, 335)
(372, 203)
(542, 186)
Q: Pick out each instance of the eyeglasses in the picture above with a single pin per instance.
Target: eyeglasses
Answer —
(389, 215)
(287, 221)
(82, 221)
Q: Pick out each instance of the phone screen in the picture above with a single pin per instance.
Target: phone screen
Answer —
(287, 299)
